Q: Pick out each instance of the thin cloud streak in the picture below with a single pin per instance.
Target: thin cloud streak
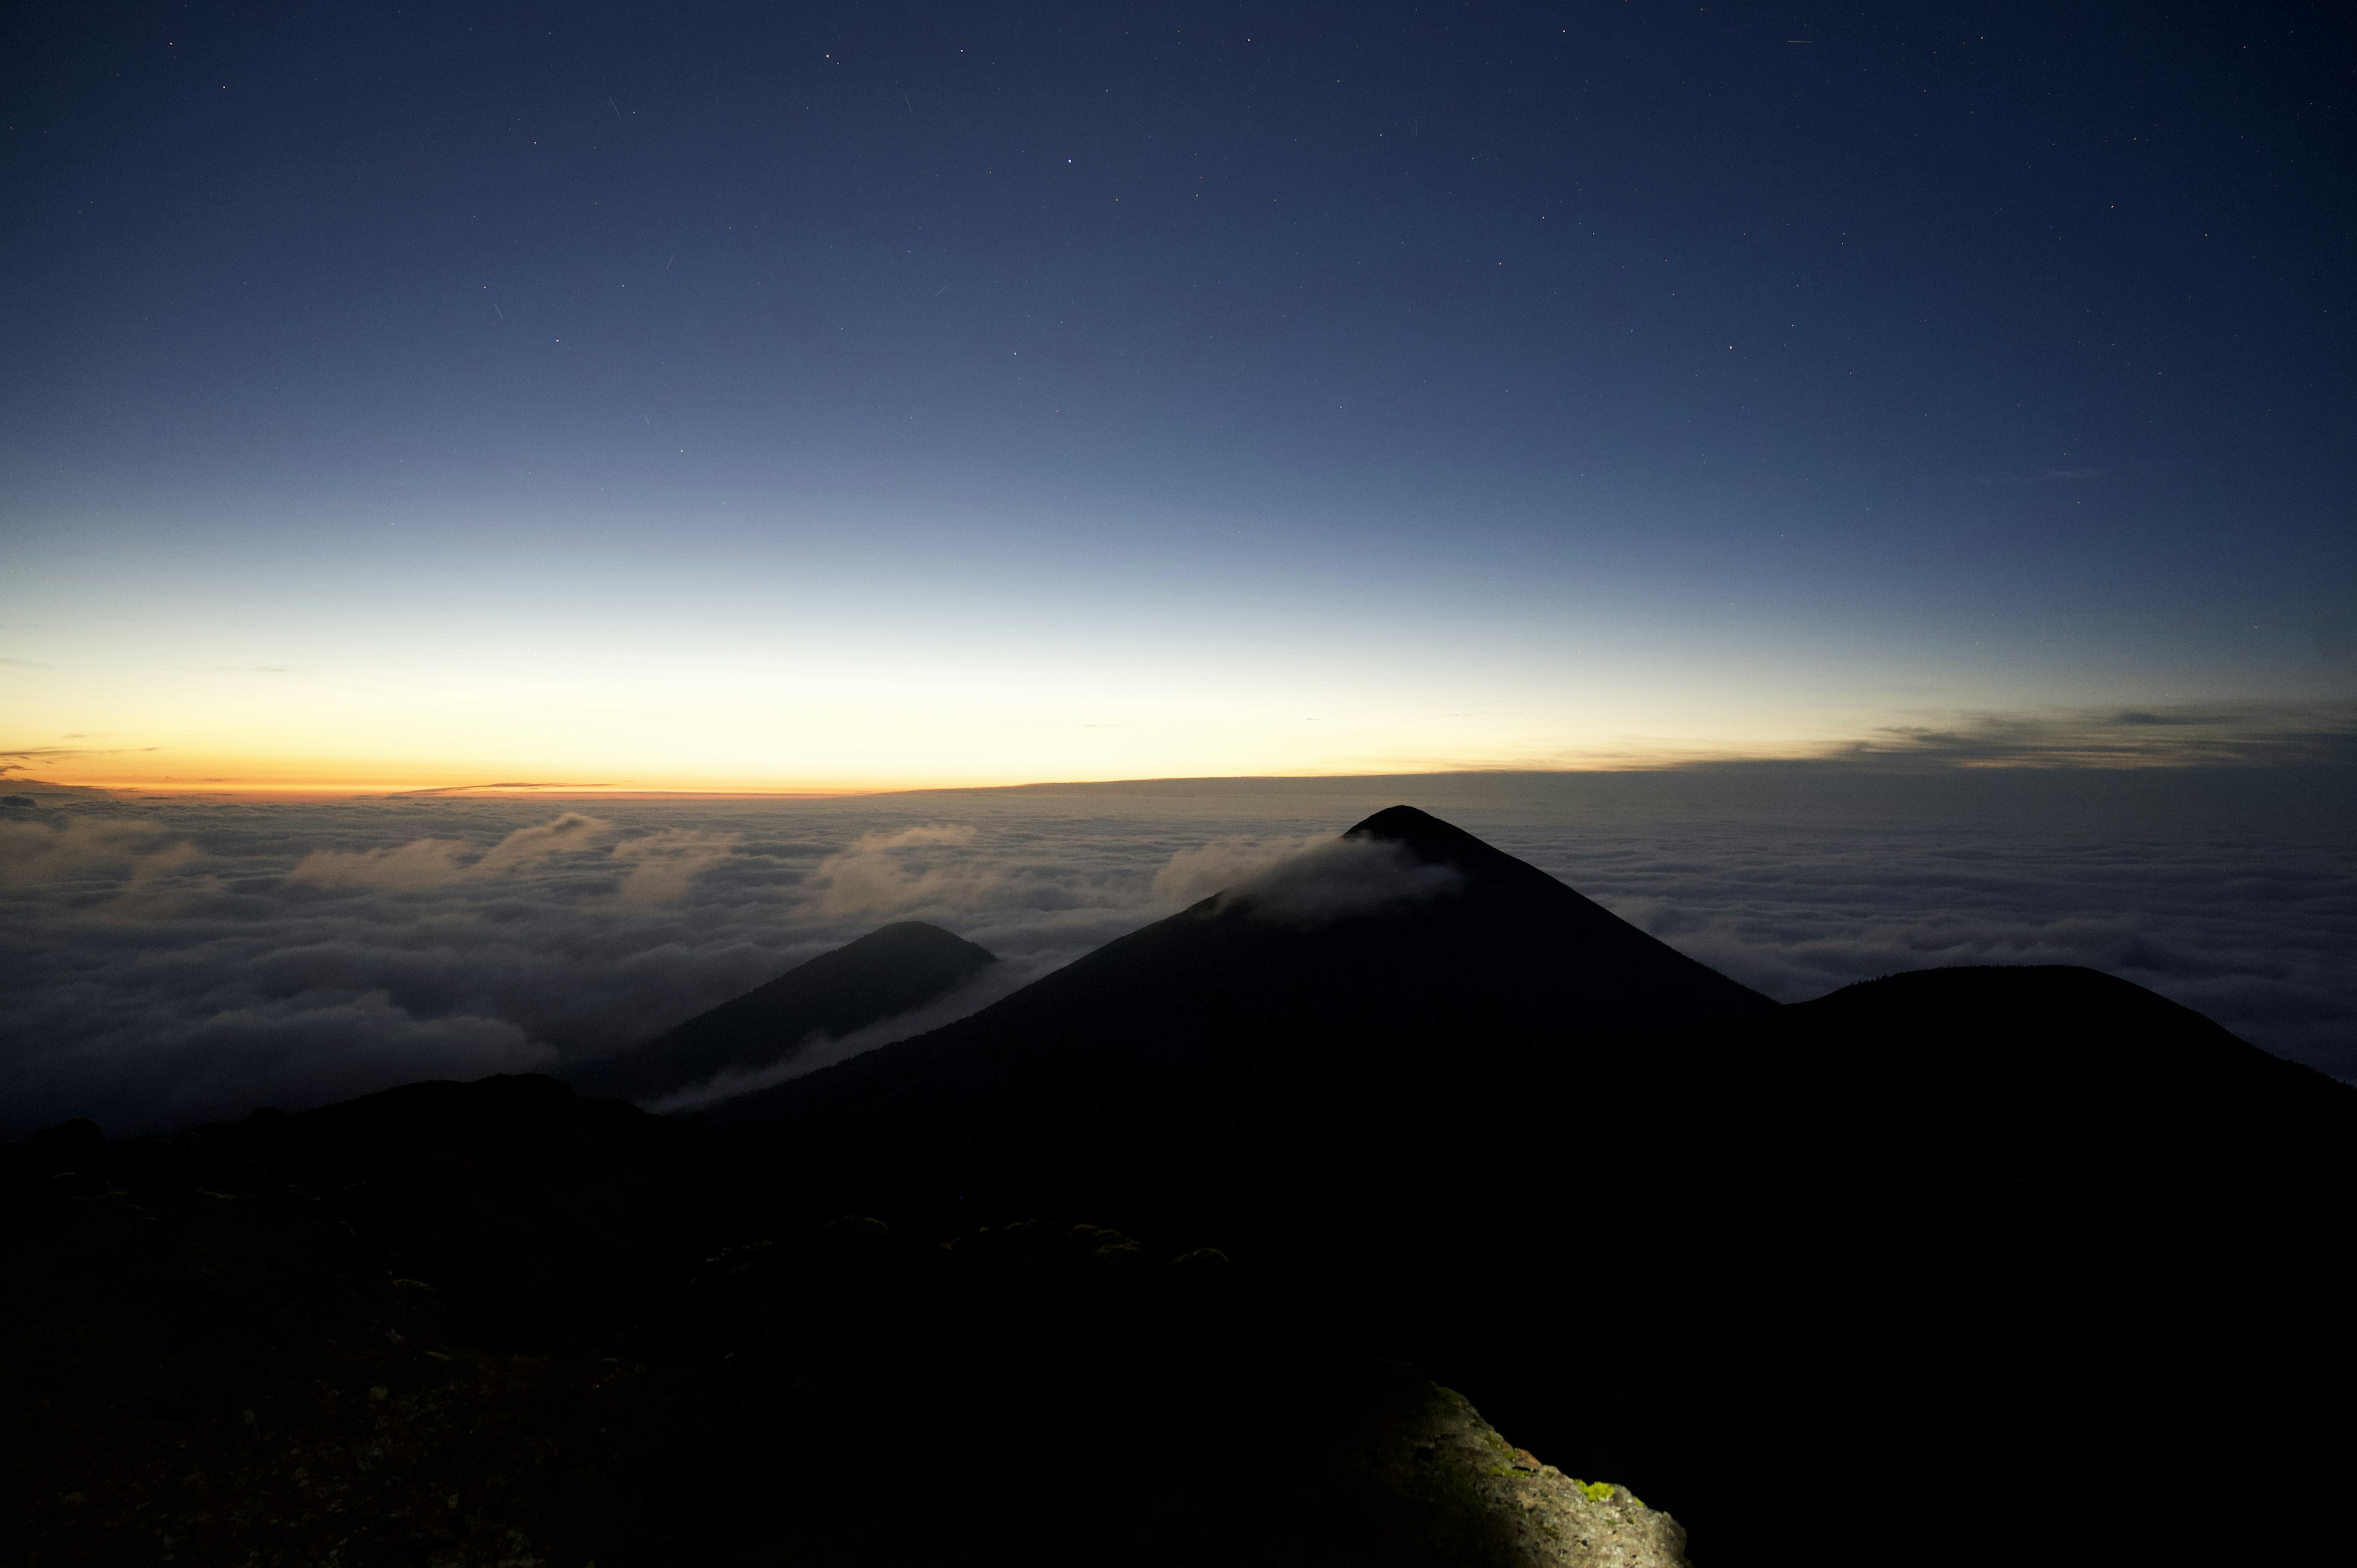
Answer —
(2210, 734)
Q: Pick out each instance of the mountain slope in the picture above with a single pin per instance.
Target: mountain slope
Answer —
(488, 1324)
(884, 973)
(1977, 1055)
(1314, 1002)
(2039, 1051)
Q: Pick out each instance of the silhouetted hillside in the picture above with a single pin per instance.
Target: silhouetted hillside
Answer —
(884, 973)
(1952, 1268)
(2032, 1052)
(1410, 981)
(1939, 1057)
(462, 1325)
(1321, 1000)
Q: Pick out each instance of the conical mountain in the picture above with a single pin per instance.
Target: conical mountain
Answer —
(884, 973)
(1320, 1000)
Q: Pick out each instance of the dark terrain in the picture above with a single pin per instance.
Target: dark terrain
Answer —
(1150, 1263)
(883, 974)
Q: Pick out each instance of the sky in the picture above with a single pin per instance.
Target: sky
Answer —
(818, 398)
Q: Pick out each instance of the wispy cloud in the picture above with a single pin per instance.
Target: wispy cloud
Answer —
(471, 788)
(907, 872)
(2208, 734)
(665, 862)
(1338, 879)
(1230, 861)
(435, 862)
(122, 852)
(656, 867)
(19, 758)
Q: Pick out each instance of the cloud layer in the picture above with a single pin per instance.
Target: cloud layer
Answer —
(168, 963)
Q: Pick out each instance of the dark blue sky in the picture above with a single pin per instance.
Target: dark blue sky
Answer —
(2005, 349)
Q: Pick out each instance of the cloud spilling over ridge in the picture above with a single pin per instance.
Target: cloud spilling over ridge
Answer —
(430, 862)
(1339, 878)
(1297, 880)
(56, 847)
(161, 962)
(988, 985)
(313, 1050)
(905, 872)
(1192, 875)
(290, 953)
(666, 863)
(658, 867)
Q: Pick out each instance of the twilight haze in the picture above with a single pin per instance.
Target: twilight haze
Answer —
(754, 398)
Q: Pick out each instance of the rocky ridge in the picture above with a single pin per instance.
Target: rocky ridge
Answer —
(1541, 1516)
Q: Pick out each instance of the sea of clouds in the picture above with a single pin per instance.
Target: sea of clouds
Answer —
(165, 962)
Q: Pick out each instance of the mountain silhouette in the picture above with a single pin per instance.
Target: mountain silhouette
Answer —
(1319, 1000)
(1975, 1054)
(1409, 980)
(884, 973)
(1408, 1113)
(2034, 1051)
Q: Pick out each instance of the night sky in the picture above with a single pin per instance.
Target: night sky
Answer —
(820, 397)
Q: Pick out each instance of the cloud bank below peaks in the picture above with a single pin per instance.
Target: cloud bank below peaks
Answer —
(167, 962)
(657, 867)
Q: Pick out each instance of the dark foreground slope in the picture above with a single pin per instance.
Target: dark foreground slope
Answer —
(603, 1336)
(1321, 1003)
(883, 974)
(493, 1324)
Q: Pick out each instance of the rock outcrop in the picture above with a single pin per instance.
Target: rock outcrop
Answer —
(1472, 1483)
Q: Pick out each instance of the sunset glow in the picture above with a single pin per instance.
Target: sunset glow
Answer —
(955, 437)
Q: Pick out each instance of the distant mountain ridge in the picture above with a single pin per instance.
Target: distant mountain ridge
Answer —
(1969, 1056)
(1310, 1002)
(1409, 980)
(883, 974)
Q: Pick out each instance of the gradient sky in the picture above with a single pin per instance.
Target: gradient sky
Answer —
(826, 397)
